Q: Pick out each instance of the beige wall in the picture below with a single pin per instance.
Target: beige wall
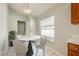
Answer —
(63, 27)
(3, 28)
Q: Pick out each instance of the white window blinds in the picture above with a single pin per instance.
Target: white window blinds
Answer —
(47, 27)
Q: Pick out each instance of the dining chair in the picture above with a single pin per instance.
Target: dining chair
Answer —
(20, 48)
(41, 45)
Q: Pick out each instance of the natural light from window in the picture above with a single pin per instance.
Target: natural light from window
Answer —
(47, 27)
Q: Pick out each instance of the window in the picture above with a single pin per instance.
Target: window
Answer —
(47, 27)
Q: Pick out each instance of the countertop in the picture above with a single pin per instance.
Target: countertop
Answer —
(74, 40)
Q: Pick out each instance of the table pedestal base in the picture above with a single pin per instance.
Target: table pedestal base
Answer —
(30, 50)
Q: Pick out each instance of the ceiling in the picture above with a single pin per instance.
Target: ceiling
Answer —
(37, 9)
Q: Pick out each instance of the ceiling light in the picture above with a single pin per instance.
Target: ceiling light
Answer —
(27, 9)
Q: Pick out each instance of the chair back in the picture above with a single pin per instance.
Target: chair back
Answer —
(43, 42)
(20, 48)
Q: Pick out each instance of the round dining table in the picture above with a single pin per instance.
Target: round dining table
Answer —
(30, 39)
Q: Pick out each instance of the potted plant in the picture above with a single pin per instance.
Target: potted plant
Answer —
(12, 36)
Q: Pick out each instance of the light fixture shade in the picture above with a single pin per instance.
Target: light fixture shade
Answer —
(27, 11)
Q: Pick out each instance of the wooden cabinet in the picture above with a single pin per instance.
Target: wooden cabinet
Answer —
(73, 54)
(73, 49)
(75, 13)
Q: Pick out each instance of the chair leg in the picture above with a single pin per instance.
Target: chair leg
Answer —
(36, 51)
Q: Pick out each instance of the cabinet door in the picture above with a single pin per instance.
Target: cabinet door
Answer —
(70, 53)
(75, 13)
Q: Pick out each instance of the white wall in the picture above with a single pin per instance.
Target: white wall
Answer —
(37, 24)
(63, 27)
(3, 28)
(32, 25)
(14, 16)
(30, 29)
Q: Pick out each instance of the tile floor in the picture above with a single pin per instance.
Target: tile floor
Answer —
(48, 52)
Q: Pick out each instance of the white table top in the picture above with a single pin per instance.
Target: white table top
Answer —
(28, 38)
